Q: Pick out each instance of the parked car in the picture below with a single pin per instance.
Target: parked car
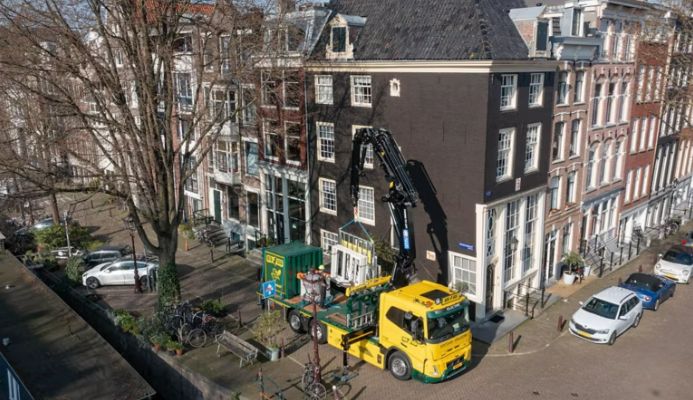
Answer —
(676, 264)
(120, 272)
(652, 290)
(688, 240)
(42, 224)
(606, 315)
(106, 254)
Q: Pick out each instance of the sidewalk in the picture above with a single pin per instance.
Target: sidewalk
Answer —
(538, 334)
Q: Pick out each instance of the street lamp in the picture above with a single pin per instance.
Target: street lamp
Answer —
(130, 226)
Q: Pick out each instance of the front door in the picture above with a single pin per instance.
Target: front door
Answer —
(489, 288)
(217, 206)
(550, 255)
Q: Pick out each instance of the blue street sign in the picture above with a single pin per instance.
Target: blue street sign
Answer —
(269, 289)
(405, 239)
(466, 246)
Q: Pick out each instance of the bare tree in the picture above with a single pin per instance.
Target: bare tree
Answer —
(141, 92)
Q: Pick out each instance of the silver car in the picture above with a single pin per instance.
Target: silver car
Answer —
(119, 272)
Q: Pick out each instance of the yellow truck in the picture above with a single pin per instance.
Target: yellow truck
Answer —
(418, 331)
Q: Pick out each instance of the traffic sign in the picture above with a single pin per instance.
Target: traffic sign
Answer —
(269, 289)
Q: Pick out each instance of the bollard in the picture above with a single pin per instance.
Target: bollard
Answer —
(601, 266)
(637, 246)
(630, 247)
(282, 349)
(511, 341)
(612, 260)
(620, 257)
(526, 303)
(240, 322)
(560, 323)
(92, 203)
(620, 280)
(640, 268)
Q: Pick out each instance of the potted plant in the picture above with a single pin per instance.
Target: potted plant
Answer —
(573, 262)
(158, 340)
(266, 328)
(186, 230)
(214, 307)
(174, 345)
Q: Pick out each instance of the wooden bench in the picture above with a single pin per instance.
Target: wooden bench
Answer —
(239, 347)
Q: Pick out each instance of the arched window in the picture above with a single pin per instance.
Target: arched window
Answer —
(591, 167)
(621, 156)
(603, 163)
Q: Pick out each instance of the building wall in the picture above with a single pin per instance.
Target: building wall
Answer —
(443, 134)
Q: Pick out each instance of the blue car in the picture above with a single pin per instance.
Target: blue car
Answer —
(652, 290)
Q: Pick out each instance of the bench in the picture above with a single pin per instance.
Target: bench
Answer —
(239, 347)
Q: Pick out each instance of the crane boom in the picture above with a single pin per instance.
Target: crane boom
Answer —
(400, 197)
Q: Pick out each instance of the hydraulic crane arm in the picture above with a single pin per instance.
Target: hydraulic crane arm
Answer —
(401, 193)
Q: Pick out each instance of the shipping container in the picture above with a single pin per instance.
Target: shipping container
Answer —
(282, 263)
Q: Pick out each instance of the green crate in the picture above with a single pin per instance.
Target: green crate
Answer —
(282, 263)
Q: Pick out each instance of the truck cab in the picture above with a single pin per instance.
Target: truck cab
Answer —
(424, 328)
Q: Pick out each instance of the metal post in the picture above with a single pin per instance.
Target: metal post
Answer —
(612, 260)
(640, 268)
(67, 235)
(138, 284)
(511, 341)
(620, 256)
(630, 248)
(526, 303)
(601, 265)
(559, 327)
(637, 247)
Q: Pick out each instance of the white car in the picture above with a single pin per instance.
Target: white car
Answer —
(119, 272)
(606, 315)
(676, 264)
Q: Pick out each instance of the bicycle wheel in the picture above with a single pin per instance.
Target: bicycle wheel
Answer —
(316, 391)
(197, 338)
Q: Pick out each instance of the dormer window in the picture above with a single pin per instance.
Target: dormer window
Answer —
(343, 29)
(339, 34)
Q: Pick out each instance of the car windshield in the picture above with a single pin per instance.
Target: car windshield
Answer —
(447, 323)
(678, 257)
(639, 283)
(601, 308)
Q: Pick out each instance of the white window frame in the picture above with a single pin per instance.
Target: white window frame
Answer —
(320, 144)
(510, 84)
(471, 272)
(322, 195)
(645, 176)
(324, 93)
(508, 172)
(575, 144)
(620, 160)
(634, 135)
(653, 132)
(536, 89)
(395, 87)
(532, 147)
(364, 99)
(579, 94)
(629, 185)
(366, 204)
(571, 188)
(327, 240)
(636, 190)
(643, 134)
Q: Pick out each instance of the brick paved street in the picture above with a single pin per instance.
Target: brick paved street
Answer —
(650, 362)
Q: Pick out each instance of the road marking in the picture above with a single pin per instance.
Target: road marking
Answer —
(524, 353)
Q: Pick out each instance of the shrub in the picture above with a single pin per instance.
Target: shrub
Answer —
(169, 286)
(173, 345)
(127, 322)
(186, 230)
(74, 269)
(54, 236)
(266, 328)
(214, 307)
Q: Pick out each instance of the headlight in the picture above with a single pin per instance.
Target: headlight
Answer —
(435, 371)
(646, 298)
(602, 331)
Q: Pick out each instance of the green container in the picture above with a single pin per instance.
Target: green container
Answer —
(282, 263)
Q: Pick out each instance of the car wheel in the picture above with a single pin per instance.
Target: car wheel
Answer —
(656, 305)
(612, 339)
(93, 283)
(399, 366)
(320, 332)
(637, 319)
(296, 321)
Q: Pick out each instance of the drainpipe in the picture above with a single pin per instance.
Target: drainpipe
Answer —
(308, 180)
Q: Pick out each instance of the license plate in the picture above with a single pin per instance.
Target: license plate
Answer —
(458, 365)
(670, 276)
(584, 334)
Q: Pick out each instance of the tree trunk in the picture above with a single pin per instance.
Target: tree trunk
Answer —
(55, 212)
(168, 283)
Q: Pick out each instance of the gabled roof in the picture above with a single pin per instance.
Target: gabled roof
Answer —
(432, 30)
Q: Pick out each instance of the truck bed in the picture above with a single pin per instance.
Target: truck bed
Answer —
(334, 314)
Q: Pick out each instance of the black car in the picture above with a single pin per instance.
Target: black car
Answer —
(106, 254)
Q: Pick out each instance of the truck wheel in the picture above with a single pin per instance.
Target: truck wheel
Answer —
(320, 332)
(296, 321)
(399, 366)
